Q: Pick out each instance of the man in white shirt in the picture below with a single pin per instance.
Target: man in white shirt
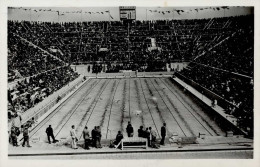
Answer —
(74, 137)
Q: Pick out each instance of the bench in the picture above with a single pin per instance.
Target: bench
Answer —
(142, 142)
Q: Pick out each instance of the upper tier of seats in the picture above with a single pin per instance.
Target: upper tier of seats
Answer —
(81, 42)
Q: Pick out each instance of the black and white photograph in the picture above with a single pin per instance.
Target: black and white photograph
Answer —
(130, 82)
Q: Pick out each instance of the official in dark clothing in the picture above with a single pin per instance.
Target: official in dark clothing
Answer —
(86, 137)
(163, 133)
(94, 138)
(49, 132)
(130, 130)
(98, 137)
(14, 136)
(26, 137)
(141, 132)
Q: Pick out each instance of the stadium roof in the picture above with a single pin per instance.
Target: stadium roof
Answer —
(65, 14)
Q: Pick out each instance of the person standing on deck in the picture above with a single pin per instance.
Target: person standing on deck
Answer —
(14, 137)
(26, 136)
(163, 133)
(152, 136)
(86, 137)
(147, 136)
(98, 137)
(74, 137)
(93, 134)
(49, 132)
(141, 132)
(130, 130)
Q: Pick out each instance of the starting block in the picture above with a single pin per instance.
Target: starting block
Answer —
(173, 138)
(229, 134)
(202, 136)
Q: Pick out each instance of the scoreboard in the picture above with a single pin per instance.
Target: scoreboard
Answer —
(127, 12)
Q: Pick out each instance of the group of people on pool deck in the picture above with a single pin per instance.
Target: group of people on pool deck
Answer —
(95, 139)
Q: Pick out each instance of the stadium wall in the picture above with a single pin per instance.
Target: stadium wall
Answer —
(83, 68)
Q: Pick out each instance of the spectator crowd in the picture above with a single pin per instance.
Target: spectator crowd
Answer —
(116, 41)
(30, 91)
(221, 52)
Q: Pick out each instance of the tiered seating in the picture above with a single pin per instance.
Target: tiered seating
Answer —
(221, 50)
(25, 60)
(36, 73)
(80, 42)
(235, 54)
(227, 70)
(28, 92)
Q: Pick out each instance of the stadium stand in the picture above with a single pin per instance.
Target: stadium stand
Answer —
(178, 40)
(220, 51)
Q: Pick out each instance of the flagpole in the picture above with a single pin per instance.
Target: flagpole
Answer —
(146, 14)
(81, 16)
(30, 15)
(58, 16)
(109, 15)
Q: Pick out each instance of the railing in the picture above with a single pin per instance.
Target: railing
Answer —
(221, 120)
(221, 101)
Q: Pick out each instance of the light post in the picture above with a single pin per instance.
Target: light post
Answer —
(146, 14)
